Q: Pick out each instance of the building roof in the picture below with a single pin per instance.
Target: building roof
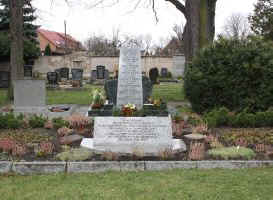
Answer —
(58, 39)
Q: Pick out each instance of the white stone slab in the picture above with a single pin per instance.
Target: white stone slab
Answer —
(178, 145)
(130, 134)
(130, 78)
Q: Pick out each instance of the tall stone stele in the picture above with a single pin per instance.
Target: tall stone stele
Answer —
(130, 78)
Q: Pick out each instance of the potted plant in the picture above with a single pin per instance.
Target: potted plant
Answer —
(98, 100)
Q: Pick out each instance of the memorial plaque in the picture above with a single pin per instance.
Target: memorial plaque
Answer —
(129, 134)
(130, 78)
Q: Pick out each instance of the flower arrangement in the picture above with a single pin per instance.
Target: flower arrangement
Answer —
(128, 110)
(97, 99)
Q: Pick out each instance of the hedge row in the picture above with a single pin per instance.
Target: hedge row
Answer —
(223, 117)
(236, 74)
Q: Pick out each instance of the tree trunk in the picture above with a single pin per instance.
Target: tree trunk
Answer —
(16, 51)
(200, 27)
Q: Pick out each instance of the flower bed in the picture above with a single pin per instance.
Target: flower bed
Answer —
(30, 138)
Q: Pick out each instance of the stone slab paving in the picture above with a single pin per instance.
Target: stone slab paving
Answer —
(25, 168)
(132, 165)
(5, 167)
(28, 168)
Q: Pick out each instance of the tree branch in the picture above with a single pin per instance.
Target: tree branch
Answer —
(179, 6)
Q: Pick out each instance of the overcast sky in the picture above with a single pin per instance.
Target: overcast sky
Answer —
(82, 21)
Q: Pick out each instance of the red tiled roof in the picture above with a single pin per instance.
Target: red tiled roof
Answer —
(56, 38)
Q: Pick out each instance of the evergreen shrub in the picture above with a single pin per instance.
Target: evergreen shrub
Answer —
(236, 74)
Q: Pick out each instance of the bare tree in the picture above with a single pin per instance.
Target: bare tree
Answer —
(236, 26)
(133, 41)
(178, 39)
(199, 30)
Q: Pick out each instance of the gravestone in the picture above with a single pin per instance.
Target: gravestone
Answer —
(106, 74)
(52, 78)
(93, 75)
(77, 74)
(29, 93)
(4, 79)
(100, 72)
(131, 134)
(110, 88)
(58, 71)
(28, 71)
(130, 78)
(64, 73)
(164, 72)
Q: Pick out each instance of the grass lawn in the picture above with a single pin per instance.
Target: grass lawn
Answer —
(166, 91)
(169, 92)
(244, 184)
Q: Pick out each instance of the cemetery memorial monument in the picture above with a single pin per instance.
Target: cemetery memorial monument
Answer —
(130, 78)
(148, 135)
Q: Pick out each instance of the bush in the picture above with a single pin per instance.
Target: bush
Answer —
(59, 123)
(222, 117)
(227, 153)
(236, 74)
(80, 154)
(169, 75)
(10, 121)
(37, 121)
(217, 117)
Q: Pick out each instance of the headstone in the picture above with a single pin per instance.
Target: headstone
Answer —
(29, 93)
(130, 78)
(129, 134)
(178, 65)
(52, 78)
(58, 71)
(4, 79)
(93, 75)
(27, 70)
(110, 87)
(164, 72)
(100, 72)
(77, 74)
(106, 74)
(64, 72)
